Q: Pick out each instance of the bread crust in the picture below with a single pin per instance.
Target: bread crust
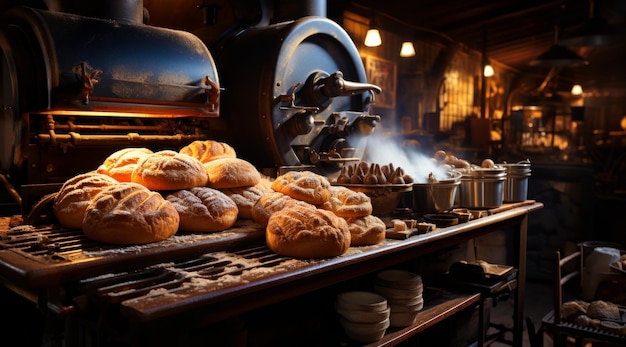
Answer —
(246, 197)
(169, 170)
(75, 195)
(204, 209)
(366, 231)
(208, 150)
(120, 164)
(307, 232)
(345, 202)
(231, 173)
(303, 185)
(272, 202)
(128, 213)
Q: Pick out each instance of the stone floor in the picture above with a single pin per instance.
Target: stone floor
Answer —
(537, 304)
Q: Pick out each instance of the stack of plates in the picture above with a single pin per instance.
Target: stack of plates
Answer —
(403, 291)
(364, 315)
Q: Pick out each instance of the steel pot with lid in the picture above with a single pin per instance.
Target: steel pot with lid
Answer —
(482, 187)
(436, 196)
(516, 182)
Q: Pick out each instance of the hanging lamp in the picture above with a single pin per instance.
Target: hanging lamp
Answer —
(558, 56)
(596, 31)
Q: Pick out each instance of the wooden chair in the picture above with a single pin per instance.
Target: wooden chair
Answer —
(565, 270)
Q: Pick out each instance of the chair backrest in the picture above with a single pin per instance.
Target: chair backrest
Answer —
(566, 269)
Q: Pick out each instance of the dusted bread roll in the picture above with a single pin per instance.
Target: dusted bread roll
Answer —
(120, 164)
(345, 202)
(600, 309)
(303, 185)
(75, 195)
(130, 214)
(272, 202)
(231, 173)
(304, 231)
(246, 197)
(366, 231)
(208, 150)
(169, 170)
(204, 209)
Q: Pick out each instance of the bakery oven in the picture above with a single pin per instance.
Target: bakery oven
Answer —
(79, 82)
(75, 88)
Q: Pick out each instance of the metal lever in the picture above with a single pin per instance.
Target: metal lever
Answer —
(334, 85)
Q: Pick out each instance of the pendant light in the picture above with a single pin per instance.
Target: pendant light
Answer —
(488, 69)
(577, 89)
(558, 56)
(407, 49)
(596, 31)
(372, 38)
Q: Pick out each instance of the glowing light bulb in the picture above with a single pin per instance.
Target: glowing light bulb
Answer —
(372, 39)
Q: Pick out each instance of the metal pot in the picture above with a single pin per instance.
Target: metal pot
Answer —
(482, 188)
(436, 196)
(516, 182)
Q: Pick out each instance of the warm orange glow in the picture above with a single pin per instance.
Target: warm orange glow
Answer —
(109, 114)
(372, 38)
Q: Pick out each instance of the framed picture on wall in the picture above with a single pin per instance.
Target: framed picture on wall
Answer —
(382, 73)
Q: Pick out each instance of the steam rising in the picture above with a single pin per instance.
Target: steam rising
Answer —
(418, 165)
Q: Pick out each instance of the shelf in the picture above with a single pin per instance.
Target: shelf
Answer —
(435, 310)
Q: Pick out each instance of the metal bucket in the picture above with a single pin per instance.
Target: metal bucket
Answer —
(516, 182)
(436, 196)
(482, 188)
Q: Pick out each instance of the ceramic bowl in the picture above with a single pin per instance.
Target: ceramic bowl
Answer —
(395, 293)
(365, 332)
(399, 279)
(405, 302)
(360, 316)
(402, 319)
(361, 300)
(407, 308)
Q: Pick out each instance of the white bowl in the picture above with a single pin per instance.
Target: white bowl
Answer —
(395, 293)
(365, 332)
(402, 319)
(399, 279)
(405, 302)
(407, 308)
(360, 300)
(360, 316)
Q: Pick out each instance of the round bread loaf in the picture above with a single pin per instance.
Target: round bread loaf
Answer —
(120, 164)
(75, 195)
(600, 309)
(303, 185)
(345, 202)
(204, 209)
(130, 214)
(307, 232)
(366, 231)
(208, 150)
(246, 197)
(272, 202)
(231, 173)
(169, 170)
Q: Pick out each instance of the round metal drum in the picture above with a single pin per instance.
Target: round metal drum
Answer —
(272, 111)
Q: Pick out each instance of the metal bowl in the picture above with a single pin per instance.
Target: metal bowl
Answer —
(385, 197)
(437, 196)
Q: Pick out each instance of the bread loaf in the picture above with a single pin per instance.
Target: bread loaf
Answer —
(75, 195)
(303, 185)
(169, 170)
(120, 164)
(208, 150)
(304, 231)
(231, 173)
(272, 202)
(130, 214)
(246, 197)
(345, 202)
(204, 209)
(366, 231)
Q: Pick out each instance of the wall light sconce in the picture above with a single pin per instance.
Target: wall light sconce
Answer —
(407, 49)
(577, 89)
(372, 38)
